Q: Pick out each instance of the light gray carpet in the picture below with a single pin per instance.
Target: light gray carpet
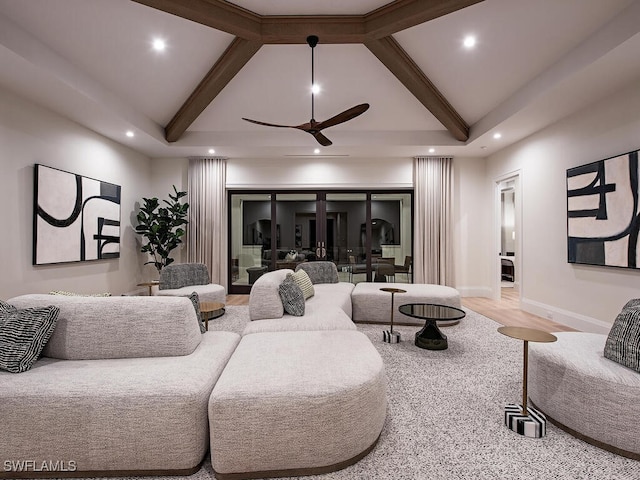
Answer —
(445, 416)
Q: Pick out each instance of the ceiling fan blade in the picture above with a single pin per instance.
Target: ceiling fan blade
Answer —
(322, 140)
(344, 116)
(268, 124)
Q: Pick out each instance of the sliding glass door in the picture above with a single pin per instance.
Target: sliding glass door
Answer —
(368, 235)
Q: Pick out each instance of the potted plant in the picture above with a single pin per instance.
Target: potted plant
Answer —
(162, 227)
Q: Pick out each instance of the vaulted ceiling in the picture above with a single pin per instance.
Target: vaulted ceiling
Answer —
(533, 64)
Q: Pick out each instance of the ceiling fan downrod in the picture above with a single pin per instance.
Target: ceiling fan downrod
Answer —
(312, 40)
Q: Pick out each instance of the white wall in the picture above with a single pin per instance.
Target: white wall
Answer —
(335, 172)
(472, 203)
(30, 134)
(587, 297)
(472, 237)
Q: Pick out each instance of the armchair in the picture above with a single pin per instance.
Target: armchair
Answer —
(183, 279)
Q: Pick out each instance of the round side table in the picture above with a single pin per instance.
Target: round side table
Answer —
(389, 336)
(526, 421)
(211, 310)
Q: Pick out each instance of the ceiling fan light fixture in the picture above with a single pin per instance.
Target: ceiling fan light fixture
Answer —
(314, 127)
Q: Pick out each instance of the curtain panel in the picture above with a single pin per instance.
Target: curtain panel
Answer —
(433, 244)
(207, 229)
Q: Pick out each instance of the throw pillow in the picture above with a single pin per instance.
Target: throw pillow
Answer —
(195, 300)
(633, 303)
(23, 335)
(292, 297)
(623, 342)
(304, 282)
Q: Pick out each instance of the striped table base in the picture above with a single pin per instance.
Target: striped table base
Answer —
(533, 425)
(390, 337)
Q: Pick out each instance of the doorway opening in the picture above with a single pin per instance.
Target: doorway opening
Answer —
(508, 241)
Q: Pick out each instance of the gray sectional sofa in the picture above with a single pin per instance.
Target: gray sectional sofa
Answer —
(123, 387)
(129, 386)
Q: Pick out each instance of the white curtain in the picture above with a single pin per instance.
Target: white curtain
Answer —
(433, 244)
(207, 229)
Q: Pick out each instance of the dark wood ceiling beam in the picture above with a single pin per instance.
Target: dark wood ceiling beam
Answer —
(391, 54)
(329, 28)
(216, 14)
(403, 14)
(230, 63)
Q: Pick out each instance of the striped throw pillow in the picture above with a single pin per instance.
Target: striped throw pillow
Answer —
(304, 282)
(23, 335)
(623, 343)
(292, 297)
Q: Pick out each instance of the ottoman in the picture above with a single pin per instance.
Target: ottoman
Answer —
(371, 305)
(296, 403)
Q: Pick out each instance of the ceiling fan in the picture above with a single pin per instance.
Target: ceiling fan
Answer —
(313, 127)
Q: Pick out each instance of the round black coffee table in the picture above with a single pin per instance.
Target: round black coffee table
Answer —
(430, 337)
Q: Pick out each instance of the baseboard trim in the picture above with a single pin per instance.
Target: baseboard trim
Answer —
(571, 319)
(475, 292)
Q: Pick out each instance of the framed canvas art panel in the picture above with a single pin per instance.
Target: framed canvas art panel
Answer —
(602, 212)
(75, 218)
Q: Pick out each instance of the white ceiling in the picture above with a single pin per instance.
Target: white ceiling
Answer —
(534, 63)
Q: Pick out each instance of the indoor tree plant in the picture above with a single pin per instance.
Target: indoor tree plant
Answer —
(162, 226)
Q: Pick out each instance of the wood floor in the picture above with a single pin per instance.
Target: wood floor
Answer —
(506, 311)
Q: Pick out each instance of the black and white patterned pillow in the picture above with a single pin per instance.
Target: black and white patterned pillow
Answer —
(292, 297)
(23, 335)
(195, 300)
(623, 342)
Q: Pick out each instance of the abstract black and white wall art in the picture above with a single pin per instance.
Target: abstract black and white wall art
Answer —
(76, 218)
(602, 212)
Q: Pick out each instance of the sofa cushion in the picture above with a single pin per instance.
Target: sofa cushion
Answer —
(304, 282)
(195, 300)
(23, 335)
(91, 328)
(623, 343)
(116, 414)
(73, 294)
(292, 297)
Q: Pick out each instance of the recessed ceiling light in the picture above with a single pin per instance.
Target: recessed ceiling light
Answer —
(212, 151)
(497, 136)
(431, 150)
(316, 151)
(129, 133)
(315, 88)
(469, 41)
(159, 45)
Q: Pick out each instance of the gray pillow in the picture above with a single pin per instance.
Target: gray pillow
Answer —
(195, 300)
(292, 297)
(23, 335)
(623, 342)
